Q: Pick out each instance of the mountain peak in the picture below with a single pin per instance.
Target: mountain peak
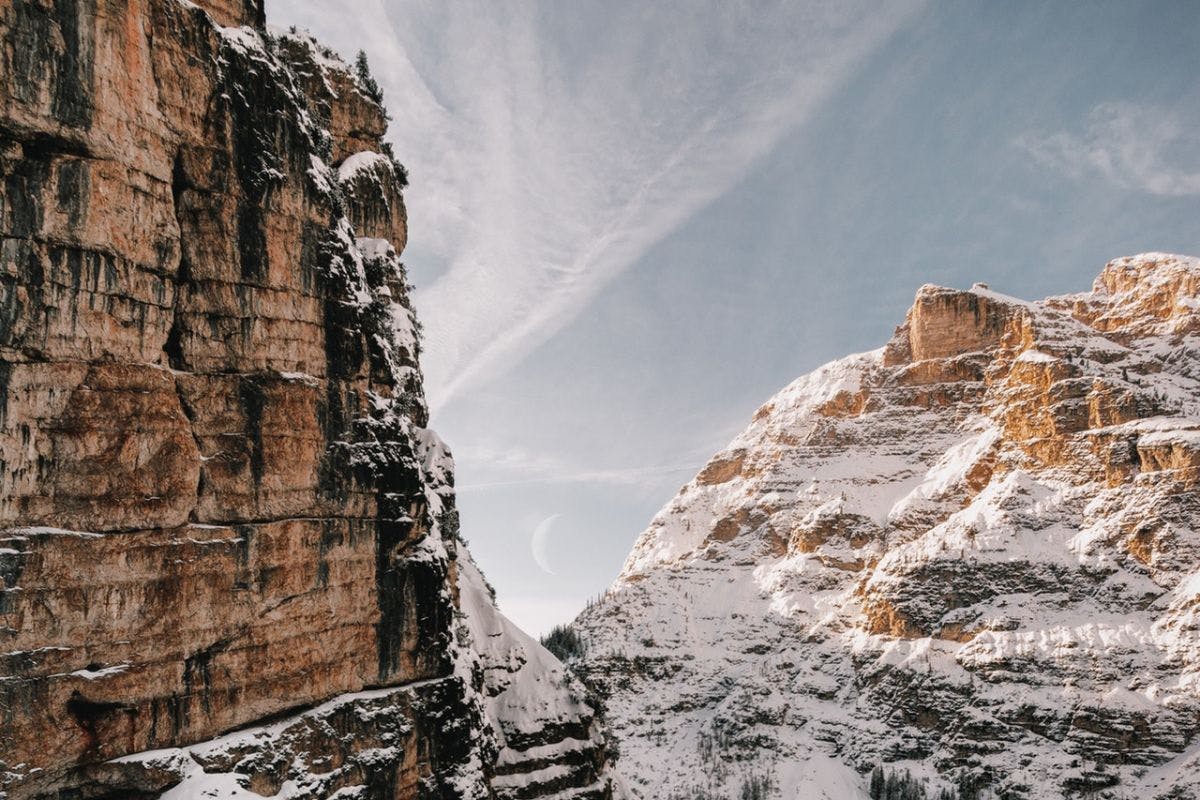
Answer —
(944, 322)
(971, 553)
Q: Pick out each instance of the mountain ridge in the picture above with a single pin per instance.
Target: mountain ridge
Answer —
(926, 556)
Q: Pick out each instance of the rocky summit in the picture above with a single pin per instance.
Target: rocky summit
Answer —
(229, 553)
(966, 564)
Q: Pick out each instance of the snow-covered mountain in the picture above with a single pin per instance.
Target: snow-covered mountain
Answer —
(971, 554)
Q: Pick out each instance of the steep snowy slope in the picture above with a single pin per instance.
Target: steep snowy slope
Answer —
(549, 741)
(971, 554)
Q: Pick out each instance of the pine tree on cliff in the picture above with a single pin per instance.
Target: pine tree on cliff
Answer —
(877, 784)
(367, 81)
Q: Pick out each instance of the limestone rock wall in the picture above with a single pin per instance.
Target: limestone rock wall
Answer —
(219, 503)
(211, 446)
(235, 13)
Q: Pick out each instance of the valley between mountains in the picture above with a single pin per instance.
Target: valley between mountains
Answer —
(965, 565)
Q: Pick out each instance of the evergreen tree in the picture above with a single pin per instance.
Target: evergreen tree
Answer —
(563, 642)
(877, 783)
(367, 81)
(756, 788)
(401, 170)
(888, 784)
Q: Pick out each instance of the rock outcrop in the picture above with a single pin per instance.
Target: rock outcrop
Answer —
(972, 554)
(228, 544)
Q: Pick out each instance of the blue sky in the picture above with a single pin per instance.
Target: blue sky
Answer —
(631, 223)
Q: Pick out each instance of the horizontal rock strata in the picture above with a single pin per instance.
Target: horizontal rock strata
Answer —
(220, 508)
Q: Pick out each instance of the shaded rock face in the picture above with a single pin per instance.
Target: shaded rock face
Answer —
(235, 13)
(972, 553)
(219, 503)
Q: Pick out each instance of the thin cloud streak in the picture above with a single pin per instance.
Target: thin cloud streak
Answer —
(612, 184)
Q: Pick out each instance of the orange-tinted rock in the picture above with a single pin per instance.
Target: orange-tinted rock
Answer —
(884, 618)
(968, 368)
(177, 635)
(948, 322)
(355, 122)
(1175, 452)
(721, 470)
(1117, 453)
(97, 448)
(218, 501)
(849, 530)
(372, 183)
(845, 404)
(235, 12)
(1140, 296)
(214, 502)
(727, 528)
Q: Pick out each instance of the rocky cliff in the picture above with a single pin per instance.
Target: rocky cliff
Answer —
(973, 554)
(228, 546)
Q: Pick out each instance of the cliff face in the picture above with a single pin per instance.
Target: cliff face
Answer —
(973, 554)
(219, 502)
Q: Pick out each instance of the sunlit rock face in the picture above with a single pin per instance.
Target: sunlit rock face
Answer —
(973, 554)
(228, 543)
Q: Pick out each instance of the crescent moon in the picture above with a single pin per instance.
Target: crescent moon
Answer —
(538, 542)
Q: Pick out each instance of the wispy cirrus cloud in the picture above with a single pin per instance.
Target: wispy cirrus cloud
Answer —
(1148, 149)
(552, 144)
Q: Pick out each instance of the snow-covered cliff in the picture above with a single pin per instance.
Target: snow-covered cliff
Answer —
(973, 554)
(229, 553)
